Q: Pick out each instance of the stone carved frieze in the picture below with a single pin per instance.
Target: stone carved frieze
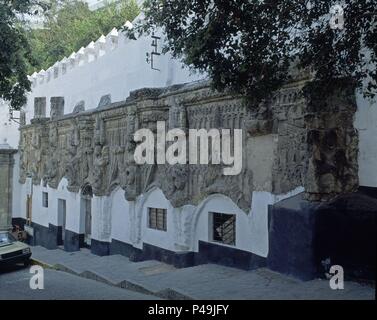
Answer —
(97, 148)
(73, 155)
(53, 161)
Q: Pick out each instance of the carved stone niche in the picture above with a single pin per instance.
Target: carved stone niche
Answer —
(57, 107)
(40, 107)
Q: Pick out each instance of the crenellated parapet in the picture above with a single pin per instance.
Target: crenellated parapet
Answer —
(286, 144)
(85, 55)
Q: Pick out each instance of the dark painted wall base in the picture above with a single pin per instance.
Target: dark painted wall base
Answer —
(47, 237)
(302, 235)
(73, 241)
(227, 256)
(208, 253)
(56, 235)
(291, 238)
(100, 248)
(346, 233)
(51, 237)
(368, 191)
(177, 259)
(125, 249)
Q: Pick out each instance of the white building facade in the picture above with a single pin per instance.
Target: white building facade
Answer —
(89, 102)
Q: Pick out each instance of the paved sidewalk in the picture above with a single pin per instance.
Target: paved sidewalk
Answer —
(201, 282)
(15, 285)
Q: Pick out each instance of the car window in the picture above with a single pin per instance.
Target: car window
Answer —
(6, 238)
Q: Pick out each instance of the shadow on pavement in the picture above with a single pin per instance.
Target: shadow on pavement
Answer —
(11, 268)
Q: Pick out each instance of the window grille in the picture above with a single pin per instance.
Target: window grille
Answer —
(224, 228)
(157, 219)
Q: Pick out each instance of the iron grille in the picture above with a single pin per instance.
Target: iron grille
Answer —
(157, 219)
(224, 228)
(45, 199)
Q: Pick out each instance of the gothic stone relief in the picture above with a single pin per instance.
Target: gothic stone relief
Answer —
(57, 107)
(73, 156)
(40, 107)
(97, 147)
(53, 161)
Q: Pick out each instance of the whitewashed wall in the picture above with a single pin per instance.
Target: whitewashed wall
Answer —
(8, 129)
(366, 124)
(16, 188)
(112, 65)
(114, 217)
(116, 65)
(121, 220)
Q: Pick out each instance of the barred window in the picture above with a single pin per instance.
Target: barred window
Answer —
(157, 219)
(224, 228)
(45, 199)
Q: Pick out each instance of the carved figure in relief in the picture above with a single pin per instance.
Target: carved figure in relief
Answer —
(177, 113)
(73, 156)
(87, 158)
(52, 165)
(101, 160)
(36, 155)
(128, 166)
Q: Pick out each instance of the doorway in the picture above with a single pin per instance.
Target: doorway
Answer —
(29, 206)
(62, 212)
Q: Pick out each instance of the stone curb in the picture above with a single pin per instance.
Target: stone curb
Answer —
(45, 265)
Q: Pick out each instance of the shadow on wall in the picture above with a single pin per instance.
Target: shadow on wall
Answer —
(306, 238)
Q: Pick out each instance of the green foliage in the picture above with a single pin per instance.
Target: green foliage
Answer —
(248, 46)
(14, 52)
(70, 25)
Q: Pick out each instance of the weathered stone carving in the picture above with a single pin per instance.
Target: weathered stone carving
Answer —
(175, 184)
(57, 107)
(129, 167)
(22, 118)
(23, 158)
(177, 114)
(310, 146)
(86, 146)
(261, 122)
(53, 161)
(79, 107)
(101, 161)
(73, 157)
(332, 144)
(40, 107)
(36, 166)
(104, 101)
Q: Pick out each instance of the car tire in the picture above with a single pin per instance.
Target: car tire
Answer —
(27, 262)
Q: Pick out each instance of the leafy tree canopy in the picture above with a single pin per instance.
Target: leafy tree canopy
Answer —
(248, 46)
(14, 51)
(70, 25)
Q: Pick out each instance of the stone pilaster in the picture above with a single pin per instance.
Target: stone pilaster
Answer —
(39, 107)
(6, 182)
